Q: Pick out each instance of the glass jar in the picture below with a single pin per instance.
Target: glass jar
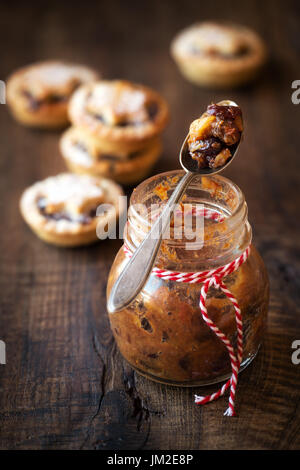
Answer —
(162, 334)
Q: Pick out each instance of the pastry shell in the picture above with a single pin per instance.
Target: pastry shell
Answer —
(69, 233)
(125, 170)
(32, 81)
(131, 136)
(217, 70)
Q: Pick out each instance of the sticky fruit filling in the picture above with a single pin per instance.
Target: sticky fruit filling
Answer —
(84, 218)
(35, 103)
(214, 136)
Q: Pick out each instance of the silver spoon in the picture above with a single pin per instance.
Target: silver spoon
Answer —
(136, 272)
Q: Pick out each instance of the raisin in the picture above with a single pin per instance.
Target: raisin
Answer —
(146, 325)
(224, 112)
(153, 355)
(152, 109)
(164, 337)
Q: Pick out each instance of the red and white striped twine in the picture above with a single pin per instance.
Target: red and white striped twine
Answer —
(214, 278)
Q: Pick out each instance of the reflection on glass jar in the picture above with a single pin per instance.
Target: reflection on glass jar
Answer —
(162, 333)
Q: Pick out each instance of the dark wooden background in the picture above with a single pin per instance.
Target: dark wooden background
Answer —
(65, 386)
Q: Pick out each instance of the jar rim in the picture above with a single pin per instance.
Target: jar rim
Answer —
(217, 247)
(218, 178)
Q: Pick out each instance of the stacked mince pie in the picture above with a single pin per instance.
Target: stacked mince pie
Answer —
(116, 130)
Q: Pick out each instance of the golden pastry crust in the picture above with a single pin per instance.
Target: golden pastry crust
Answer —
(82, 157)
(38, 95)
(97, 145)
(119, 112)
(62, 209)
(218, 54)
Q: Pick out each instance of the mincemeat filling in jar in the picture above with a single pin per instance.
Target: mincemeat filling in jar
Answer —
(162, 333)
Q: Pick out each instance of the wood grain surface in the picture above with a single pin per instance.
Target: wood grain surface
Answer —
(65, 385)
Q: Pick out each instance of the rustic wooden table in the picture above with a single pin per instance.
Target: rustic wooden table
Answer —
(65, 385)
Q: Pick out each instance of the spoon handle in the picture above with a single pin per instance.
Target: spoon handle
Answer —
(135, 274)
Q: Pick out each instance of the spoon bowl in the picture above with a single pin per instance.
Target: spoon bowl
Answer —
(189, 164)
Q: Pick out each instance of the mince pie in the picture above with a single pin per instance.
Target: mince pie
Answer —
(119, 111)
(38, 94)
(218, 54)
(66, 209)
(116, 130)
(82, 154)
